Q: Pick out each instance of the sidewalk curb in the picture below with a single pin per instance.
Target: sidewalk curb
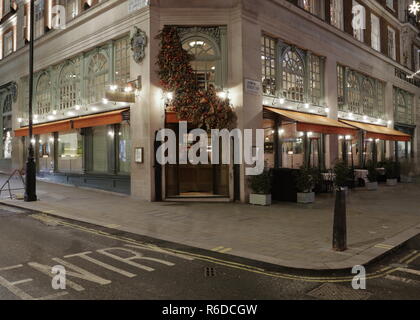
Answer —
(366, 257)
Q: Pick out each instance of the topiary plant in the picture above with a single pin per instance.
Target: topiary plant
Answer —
(304, 180)
(261, 184)
(372, 172)
(342, 174)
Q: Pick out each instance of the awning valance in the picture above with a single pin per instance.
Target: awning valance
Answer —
(379, 132)
(314, 123)
(94, 120)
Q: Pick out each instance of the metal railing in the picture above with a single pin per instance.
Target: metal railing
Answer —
(18, 173)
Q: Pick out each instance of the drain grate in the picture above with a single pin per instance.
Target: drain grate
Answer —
(330, 291)
(209, 272)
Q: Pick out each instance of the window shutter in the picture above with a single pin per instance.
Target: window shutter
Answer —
(368, 30)
(398, 46)
(384, 36)
(328, 11)
(348, 16)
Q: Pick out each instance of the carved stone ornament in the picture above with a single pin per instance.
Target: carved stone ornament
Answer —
(138, 45)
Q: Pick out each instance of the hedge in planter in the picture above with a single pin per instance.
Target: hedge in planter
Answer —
(261, 188)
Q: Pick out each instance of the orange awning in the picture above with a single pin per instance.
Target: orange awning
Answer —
(379, 132)
(101, 119)
(93, 120)
(64, 125)
(314, 123)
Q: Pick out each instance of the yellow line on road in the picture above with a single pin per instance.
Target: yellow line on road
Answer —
(225, 250)
(377, 274)
(217, 248)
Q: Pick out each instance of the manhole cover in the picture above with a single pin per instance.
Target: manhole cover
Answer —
(330, 291)
(209, 272)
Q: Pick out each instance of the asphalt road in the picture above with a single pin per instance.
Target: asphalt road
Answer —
(103, 263)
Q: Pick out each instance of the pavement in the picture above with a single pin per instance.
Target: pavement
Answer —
(285, 234)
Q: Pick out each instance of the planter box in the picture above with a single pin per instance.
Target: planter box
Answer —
(372, 186)
(308, 197)
(391, 182)
(260, 199)
(406, 179)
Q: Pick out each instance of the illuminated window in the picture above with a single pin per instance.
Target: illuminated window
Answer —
(403, 105)
(43, 95)
(368, 98)
(293, 75)
(268, 59)
(337, 14)
(315, 79)
(392, 51)
(205, 62)
(8, 43)
(97, 77)
(353, 88)
(68, 85)
(122, 61)
(7, 126)
(376, 33)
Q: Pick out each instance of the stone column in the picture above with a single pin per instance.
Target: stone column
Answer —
(147, 114)
(331, 100)
(389, 115)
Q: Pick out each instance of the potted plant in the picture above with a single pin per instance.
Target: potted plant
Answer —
(407, 171)
(305, 183)
(343, 174)
(372, 177)
(261, 189)
(392, 172)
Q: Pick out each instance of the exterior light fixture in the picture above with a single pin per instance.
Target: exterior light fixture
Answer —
(33, 141)
(54, 112)
(281, 131)
(70, 113)
(327, 110)
(364, 118)
(105, 101)
(128, 89)
(223, 94)
(35, 116)
(389, 122)
(94, 109)
(348, 137)
(113, 87)
(310, 134)
(340, 137)
(351, 115)
(282, 100)
(306, 105)
(169, 95)
(19, 120)
(77, 107)
(51, 139)
(49, 117)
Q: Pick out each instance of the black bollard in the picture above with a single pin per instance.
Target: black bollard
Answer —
(340, 223)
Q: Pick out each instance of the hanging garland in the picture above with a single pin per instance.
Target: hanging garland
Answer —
(203, 108)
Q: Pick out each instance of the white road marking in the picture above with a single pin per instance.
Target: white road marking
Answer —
(11, 286)
(135, 256)
(412, 271)
(84, 255)
(400, 279)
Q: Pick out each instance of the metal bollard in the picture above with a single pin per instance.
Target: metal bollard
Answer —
(340, 222)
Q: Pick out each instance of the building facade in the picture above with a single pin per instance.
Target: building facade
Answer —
(326, 91)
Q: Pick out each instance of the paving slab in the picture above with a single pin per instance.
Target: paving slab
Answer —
(286, 234)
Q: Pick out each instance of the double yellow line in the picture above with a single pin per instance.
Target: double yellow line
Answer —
(235, 265)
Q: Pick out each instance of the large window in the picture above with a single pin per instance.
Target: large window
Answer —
(97, 77)
(392, 51)
(43, 94)
(70, 152)
(206, 60)
(359, 14)
(68, 87)
(360, 94)
(124, 149)
(122, 61)
(293, 75)
(315, 83)
(268, 58)
(39, 18)
(403, 106)
(100, 148)
(376, 33)
(8, 43)
(336, 10)
(316, 7)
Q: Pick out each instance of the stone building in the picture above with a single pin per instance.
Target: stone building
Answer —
(322, 90)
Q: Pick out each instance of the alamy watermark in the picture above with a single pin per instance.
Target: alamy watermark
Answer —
(226, 147)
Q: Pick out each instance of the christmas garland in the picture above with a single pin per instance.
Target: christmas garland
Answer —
(203, 108)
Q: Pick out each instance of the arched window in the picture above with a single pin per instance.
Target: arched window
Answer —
(353, 89)
(43, 94)
(401, 108)
(97, 77)
(368, 100)
(293, 76)
(206, 60)
(67, 87)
